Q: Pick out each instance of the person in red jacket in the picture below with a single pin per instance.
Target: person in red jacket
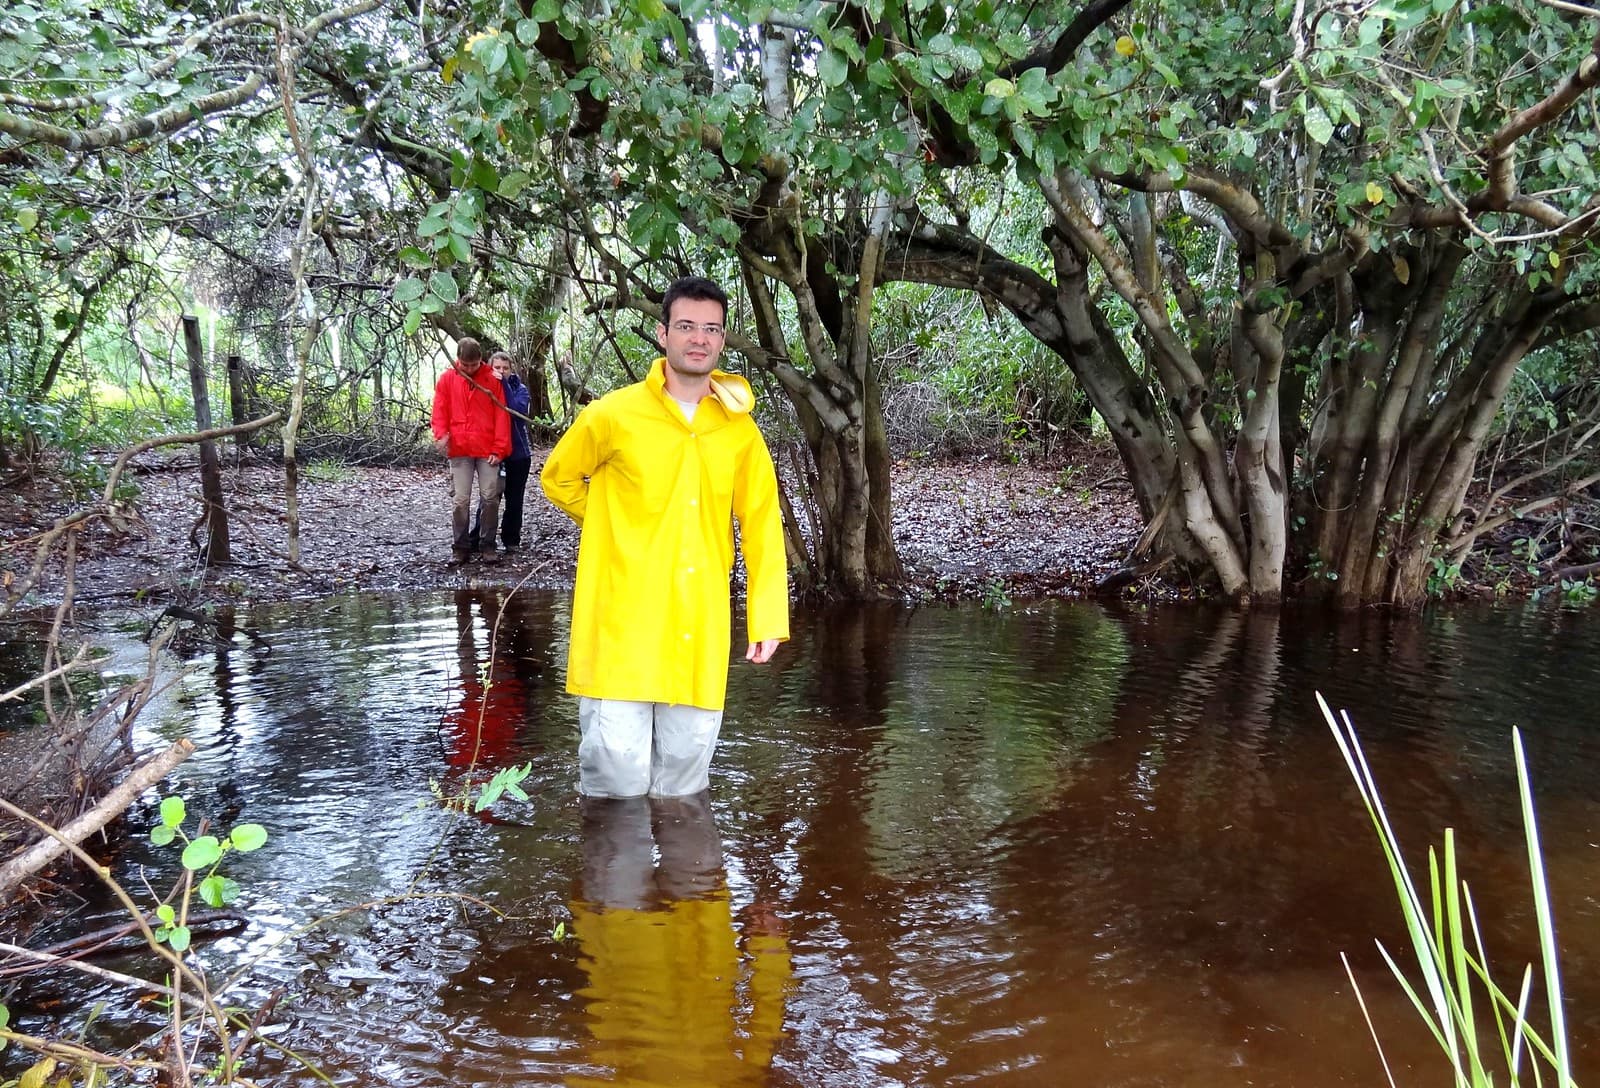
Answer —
(472, 429)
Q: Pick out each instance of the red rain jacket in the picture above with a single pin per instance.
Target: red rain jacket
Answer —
(475, 420)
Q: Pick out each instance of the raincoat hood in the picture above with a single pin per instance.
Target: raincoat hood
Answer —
(729, 390)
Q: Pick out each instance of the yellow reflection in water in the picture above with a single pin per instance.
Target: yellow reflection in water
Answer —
(679, 992)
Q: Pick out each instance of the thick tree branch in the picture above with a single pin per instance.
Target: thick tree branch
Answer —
(1060, 52)
(163, 123)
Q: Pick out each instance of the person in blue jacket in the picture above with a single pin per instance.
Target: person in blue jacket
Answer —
(516, 467)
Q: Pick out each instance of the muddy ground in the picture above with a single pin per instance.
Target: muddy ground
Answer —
(974, 528)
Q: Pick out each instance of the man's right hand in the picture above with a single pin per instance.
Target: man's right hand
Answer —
(442, 444)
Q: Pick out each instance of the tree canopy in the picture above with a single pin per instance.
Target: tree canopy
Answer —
(1296, 259)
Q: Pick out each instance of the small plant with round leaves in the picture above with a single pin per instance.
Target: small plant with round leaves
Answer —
(201, 854)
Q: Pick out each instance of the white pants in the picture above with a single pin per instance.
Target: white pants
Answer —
(628, 749)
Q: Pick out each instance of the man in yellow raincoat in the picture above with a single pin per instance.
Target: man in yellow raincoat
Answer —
(655, 473)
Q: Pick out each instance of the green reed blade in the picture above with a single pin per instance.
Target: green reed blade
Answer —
(1367, 1016)
(1547, 925)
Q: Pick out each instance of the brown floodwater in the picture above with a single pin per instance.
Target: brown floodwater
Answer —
(943, 846)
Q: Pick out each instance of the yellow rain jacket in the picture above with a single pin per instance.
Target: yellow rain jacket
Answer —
(656, 496)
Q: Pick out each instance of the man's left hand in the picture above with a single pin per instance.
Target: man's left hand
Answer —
(761, 652)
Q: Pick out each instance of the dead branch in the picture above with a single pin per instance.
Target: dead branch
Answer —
(105, 507)
(175, 440)
(76, 664)
(43, 852)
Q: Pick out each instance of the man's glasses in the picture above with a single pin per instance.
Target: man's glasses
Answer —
(687, 328)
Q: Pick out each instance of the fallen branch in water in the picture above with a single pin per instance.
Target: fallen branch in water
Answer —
(112, 805)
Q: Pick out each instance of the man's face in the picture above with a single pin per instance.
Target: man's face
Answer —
(469, 367)
(502, 366)
(694, 353)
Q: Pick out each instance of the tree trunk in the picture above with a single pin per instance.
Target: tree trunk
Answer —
(852, 549)
(210, 465)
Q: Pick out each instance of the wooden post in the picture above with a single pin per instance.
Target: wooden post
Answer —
(237, 405)
(210, 466)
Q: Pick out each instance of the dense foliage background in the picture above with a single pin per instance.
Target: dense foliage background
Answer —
(1324, 273)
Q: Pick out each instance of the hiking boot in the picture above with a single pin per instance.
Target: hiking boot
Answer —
(489, 556)
(458, 559)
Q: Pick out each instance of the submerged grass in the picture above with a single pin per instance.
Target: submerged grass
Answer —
(1450, 955)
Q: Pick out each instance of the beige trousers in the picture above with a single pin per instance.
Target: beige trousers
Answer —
(628, 749)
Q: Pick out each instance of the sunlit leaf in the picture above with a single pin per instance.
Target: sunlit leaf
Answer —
(202, 852)
(179, 938)
(172, 811)
(1374, 193)
(248, 837)
(1318, 127)
(443, 287)
(1126, 46)
(218, 891)
(37, 1074)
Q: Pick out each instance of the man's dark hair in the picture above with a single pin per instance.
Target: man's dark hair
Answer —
(692, 287)
(468, 349)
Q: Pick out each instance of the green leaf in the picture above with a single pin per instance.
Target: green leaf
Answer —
(409, 290)
(179, 938)
(1318, 127)
(833, 68)
(513, 183)
(162, 835)
(494, 57)
(460, 249)
(173, 811)
(218, 891)
(999, 87)
(412, 323)
(430, 226)
(415, 258)
(202, 853)
(28, 218)
(166, 914)
(5, 1021)
(248, 837)
(443, 286)
(651, 10)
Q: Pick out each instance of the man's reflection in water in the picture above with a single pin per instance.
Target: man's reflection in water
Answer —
(480, 731)
(677, 994)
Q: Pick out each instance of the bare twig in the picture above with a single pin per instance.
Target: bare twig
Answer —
(77, 663)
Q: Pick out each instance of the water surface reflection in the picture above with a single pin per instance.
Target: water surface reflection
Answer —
(942, 846)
